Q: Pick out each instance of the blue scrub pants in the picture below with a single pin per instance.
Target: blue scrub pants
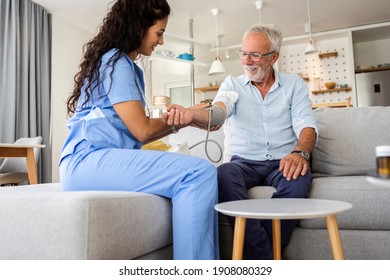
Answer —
(190, 182)
(237, 177)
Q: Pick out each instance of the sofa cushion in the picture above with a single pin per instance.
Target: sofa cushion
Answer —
(44, 222)
(370, 203)
(261, 192)
(370, 209)
(347, 139)
(313, 244)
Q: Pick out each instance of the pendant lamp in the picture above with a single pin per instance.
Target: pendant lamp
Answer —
(311, 48)
(259, 6)
(217, 66)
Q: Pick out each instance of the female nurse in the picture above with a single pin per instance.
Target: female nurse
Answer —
(108, 126)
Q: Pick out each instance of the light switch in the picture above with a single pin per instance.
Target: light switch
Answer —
(377, 88)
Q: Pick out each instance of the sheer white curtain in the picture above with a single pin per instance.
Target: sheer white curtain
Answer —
(25, 68)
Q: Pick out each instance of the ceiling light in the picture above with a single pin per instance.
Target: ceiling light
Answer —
(259, 6)
(311, 48)
(217, 66)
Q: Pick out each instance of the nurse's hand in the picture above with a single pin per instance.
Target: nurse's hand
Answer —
(177, 116)
(196, 116)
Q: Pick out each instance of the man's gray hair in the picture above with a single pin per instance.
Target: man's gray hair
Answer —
(274, 34)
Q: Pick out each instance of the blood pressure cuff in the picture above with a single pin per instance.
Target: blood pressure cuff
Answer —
(217, 115)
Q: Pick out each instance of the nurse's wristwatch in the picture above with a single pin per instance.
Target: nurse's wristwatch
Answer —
(174, 130)
(303, 154)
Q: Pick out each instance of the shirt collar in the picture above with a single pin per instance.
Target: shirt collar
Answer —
(277, 82)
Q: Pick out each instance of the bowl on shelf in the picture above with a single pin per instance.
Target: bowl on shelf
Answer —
(330, 85)
(186, 56)
(166, 53)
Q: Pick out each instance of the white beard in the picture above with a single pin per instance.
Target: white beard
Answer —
(254, 73)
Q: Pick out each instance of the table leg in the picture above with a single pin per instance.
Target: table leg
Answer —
(31, 166)
(334, 237)
(239, 236)
(276, 239)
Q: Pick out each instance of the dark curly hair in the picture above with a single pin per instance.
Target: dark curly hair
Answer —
(123, 28)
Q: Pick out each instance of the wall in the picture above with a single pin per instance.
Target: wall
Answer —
(68, 40)
(370, 45)
(292, 60)
(232, 66)
(336, 69)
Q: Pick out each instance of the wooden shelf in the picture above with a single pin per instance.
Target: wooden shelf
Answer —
(327, 55)
(372, 69)
(333, 104)
(207, 89)
(180, 60)
(306, 79)
(331, 90)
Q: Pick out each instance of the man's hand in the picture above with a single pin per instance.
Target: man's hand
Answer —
(293, 165)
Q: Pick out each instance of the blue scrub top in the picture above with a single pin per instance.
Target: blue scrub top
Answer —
(125, 83)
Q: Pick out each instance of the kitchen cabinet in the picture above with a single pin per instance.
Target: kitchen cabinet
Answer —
(371, 47)
(373, 88)
(372, 69)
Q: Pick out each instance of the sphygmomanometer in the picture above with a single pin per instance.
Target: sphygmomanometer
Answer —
(216, 116)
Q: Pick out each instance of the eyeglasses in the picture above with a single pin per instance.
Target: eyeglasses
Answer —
(252, 55)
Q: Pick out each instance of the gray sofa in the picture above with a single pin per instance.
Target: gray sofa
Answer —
(345, 153)
(43, 222)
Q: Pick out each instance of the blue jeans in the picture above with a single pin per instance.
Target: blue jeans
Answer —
(190, 182)
(237, 177)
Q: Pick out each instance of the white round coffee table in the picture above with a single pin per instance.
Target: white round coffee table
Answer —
(284, 209)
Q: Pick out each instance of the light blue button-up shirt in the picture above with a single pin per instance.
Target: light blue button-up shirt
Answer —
(269, 128)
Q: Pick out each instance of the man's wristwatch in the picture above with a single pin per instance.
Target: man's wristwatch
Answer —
(303, 154)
